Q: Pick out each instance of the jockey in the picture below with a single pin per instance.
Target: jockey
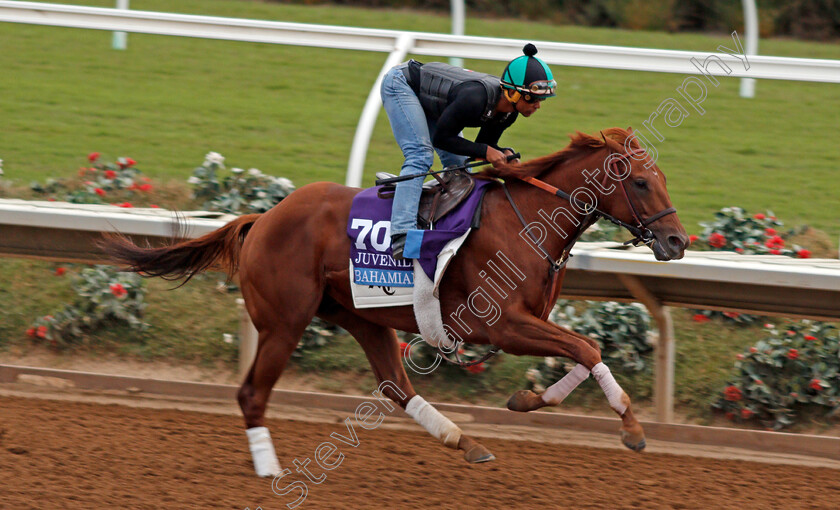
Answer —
(429, 105)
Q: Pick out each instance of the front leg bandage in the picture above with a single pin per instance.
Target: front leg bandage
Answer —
(558, 391)
(611, 388)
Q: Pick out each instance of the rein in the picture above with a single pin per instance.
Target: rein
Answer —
(640, 230)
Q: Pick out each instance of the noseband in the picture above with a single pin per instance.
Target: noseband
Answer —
(640, 231)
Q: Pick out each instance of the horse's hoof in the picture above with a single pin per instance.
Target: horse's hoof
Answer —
(478, 454)
(525, 400)
(634, 443)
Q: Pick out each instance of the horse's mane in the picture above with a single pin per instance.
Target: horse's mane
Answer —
(580, 144)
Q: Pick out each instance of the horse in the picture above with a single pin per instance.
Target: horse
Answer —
(292, 263)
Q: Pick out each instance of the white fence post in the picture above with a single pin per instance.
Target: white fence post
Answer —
(751, 29)
(120, 38)
(458, 15)
(663, 390)
(364, 130)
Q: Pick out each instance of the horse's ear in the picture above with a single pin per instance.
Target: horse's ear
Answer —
(611, 144)
(630, 130)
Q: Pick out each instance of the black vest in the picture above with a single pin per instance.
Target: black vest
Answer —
(434, 81)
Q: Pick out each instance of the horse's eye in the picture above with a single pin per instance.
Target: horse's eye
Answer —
(641, 183)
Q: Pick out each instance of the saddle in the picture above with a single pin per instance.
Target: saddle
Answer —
(439, 196)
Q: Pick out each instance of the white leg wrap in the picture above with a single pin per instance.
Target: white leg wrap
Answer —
(611, 388)
(435, 423)
(558, 391)
(262, 450)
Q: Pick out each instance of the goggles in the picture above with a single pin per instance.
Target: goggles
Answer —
(537, 91)
(542, 87)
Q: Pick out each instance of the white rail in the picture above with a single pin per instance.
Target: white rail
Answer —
(433, 44)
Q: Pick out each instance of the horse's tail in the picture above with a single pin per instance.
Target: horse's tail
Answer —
(183, 259)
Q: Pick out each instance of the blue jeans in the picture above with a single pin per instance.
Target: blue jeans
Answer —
(414, 132)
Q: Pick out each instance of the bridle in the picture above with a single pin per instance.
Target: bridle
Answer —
(640, 231)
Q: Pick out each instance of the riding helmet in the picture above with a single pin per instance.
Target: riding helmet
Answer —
(529, 75)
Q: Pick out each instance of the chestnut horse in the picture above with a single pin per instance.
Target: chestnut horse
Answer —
(293, 265)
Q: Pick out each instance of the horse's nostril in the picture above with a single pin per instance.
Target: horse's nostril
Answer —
(677, 243)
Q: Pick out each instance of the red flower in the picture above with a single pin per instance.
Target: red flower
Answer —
(804, 254)
(30, 332)
(746, 413)
(153, 206)
(118, 290)
(93, 156)
(739, 250)
(403, 348)
(146, 187)
(732, 393)
(692, 238)
(125, 204)
(732, 315)
(739, 356)
(794, 394)
(100, 192)
(770, 231)
(717, 240)
(759, 216)
(753, 350)
(790, 332)
(110, 174)
(130, 162)
(60, 271)
(815, 385)
(41, 332)
(759, 382)
(793, 354)
(476, 369)
(775, 252)
(699, 317)
(810, 338)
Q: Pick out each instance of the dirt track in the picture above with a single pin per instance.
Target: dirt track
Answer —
(79, 455)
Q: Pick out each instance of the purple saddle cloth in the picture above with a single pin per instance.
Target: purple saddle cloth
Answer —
(369, 229)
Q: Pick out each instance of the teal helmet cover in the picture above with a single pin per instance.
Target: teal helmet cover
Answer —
(523, 72)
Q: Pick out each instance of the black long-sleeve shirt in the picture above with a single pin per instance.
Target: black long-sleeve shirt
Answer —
(466, 103)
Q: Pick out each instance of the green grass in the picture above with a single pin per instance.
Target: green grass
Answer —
(292, 111)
